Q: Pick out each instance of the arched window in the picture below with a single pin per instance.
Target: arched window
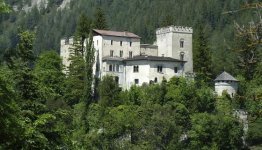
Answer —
(182, 41)
(182, 54)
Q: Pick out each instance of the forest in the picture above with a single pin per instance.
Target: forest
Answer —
(41, 107)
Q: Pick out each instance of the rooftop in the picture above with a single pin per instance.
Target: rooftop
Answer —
(116, 33)
(109, 58)
(224, 76)
(153, 58)
(148, 45)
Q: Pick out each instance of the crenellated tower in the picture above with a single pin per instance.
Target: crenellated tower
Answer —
(176, 42)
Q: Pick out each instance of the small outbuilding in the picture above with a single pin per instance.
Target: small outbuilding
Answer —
(226, 82)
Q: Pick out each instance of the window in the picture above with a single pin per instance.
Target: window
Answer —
(160, 69)
(136, 81)
(121, 68)
(175, 69)
(110, 67)
(121, 53)
(96, 42)
(130, 44)
(130, 54)
(117, 79)
(155, 79)
(181, 43)
(111, 42)
(136, 69)
(111, 53)
(121, 42)
(66, 41)
(182, 54)
(117, 68)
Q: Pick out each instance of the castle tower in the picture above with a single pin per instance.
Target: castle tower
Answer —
(176, 42)
(226, 82)
(65, 45)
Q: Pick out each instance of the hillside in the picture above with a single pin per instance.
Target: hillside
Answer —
(51, 23)
(42, 107)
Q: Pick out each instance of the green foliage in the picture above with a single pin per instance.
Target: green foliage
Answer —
(202, 57)
(109, 92)
(215, 132)
(3, 7)
(11, 123)
(74, 84)
(100, 20)
(179, 114)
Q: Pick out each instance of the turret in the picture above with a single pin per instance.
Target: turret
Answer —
(226, 82)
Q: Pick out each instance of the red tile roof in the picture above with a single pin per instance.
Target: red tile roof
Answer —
(116, 33)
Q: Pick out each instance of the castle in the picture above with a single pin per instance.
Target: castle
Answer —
(120, 54)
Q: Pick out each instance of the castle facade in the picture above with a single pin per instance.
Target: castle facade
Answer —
(121, 55)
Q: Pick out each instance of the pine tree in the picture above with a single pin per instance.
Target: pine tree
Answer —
(81, 34)
(89, 76)
(100, 20)
(202, 57)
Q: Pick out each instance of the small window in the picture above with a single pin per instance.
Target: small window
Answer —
(136, 81)
(111, 42)
(175, 69)
(130, 54)
(182, 54)
(117, 79)
(117, 68)
(130, 44)
(110, 67)
(121, 68)
(121, 53)
(182, 43)
(96, 42)
(66, 41)
(121, 43)
(160, 69)
(111, 53)
(136, 68)
(155, 80)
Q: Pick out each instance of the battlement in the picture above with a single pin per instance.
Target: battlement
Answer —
(67, 41)
(173, 29)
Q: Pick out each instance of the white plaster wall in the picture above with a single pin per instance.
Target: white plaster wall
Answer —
(142, 74)
(148, 71)
(164, 42)
(135, 47)
(168, 42)
(120, 73)
(149, 51)
(187, 49)
(98, 46)
(65, 51)
(230, 87)
(167, 72)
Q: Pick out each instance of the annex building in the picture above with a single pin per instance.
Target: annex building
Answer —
(120, 54)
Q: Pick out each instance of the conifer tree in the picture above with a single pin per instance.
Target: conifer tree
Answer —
(89, 76)
(100, 20)
(82, 32)
(202, 57)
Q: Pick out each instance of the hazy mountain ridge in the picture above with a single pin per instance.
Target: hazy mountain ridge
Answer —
(28, 5)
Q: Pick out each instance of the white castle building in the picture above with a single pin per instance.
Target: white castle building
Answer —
(120, 54)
